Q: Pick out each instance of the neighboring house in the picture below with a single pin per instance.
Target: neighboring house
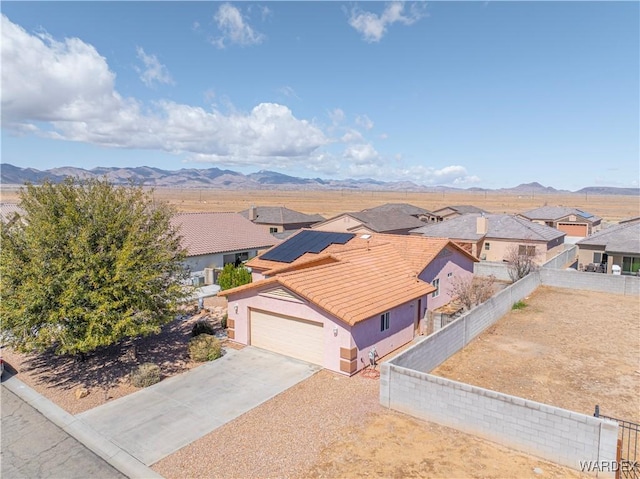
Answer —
(572, 221)
(215, 239)
(491, 237)
(617, 245)
(450, 212)
(411, 210)
(368, 221)
(10, 211)
(276, 219)
(329, 298)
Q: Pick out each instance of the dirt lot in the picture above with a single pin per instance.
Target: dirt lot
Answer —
(611, 208)
(568, 348)
(331, 426)
(105, 373)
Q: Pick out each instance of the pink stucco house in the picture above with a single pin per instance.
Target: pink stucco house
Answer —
(329, 298)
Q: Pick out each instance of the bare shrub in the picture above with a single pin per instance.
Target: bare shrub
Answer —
(521, 261)
(145, 375)
(472, 291)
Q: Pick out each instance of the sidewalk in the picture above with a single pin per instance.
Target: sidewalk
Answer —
(81, 431)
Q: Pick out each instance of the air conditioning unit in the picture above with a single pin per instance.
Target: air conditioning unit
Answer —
(208, 276)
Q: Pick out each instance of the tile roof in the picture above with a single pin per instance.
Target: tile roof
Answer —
(279, 215)
(551, 213)
(360, 279)
(383, 221)
(620, 238)
(7, 211)
(498, 227)
(405, 208)
(462, 209)
(207, 233)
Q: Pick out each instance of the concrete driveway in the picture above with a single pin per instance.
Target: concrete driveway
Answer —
(157, 421)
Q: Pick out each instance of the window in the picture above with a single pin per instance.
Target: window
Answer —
(384, 322)
(525, 250)
(630, 264)
(597, 257)
(436, 284)
(273, 230)
(449, 275)
(487, 246)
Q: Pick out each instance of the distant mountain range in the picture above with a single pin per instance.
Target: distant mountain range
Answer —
(262, 180)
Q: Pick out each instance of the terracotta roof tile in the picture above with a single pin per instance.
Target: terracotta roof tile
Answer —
(368, 275)
(207, 233)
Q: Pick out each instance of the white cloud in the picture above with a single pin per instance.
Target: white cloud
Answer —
(352, 136)
(154, 71)
(373, 27)
(384, 136)
(364, 121)
(337, 116)
(449, 175)
(288, 92)
(362, 154)
(44, 79)
(234, 28)
(70, 86)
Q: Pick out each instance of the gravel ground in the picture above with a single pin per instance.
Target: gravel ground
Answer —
(284, 436)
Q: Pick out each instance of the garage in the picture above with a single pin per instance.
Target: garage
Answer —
(295, 337)
(572, 229)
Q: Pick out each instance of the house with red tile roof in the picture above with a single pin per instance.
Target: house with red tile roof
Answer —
(215, 239)
(330, 298)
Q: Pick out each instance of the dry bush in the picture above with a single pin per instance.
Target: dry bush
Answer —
(145, 375)
(521, 261)
(205, 348)
(472, 291)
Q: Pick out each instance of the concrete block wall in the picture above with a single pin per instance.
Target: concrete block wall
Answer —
(489, 268)
(607, 283)
(442, 344)
(555, 434)
(561, 261)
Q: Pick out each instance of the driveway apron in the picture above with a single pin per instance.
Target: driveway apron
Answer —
(157, 421)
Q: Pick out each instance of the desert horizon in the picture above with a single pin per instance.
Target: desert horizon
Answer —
(611, 208)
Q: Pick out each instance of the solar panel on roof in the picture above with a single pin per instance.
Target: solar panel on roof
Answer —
(306, 241)
(584, 214)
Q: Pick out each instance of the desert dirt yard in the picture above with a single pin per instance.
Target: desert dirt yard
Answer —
(567, 348)
(332, 426)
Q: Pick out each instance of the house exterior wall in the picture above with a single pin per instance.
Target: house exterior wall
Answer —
(363, 335)
(499, 249)
(341, 224)
(298, 309)
(585, 254)
(592, 227)
(366, 334)
(280, 227)
(446, 267)
(215, 260)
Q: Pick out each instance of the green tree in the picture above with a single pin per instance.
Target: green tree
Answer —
(89, 264)
(230, 277)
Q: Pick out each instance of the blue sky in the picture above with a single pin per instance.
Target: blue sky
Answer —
(487, 94)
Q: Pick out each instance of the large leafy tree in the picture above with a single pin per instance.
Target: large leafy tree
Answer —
(87, 265)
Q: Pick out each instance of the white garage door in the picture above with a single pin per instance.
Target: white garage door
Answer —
(287, 335)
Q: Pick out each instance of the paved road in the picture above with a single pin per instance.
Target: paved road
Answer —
(157, 421)
(34, 447)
